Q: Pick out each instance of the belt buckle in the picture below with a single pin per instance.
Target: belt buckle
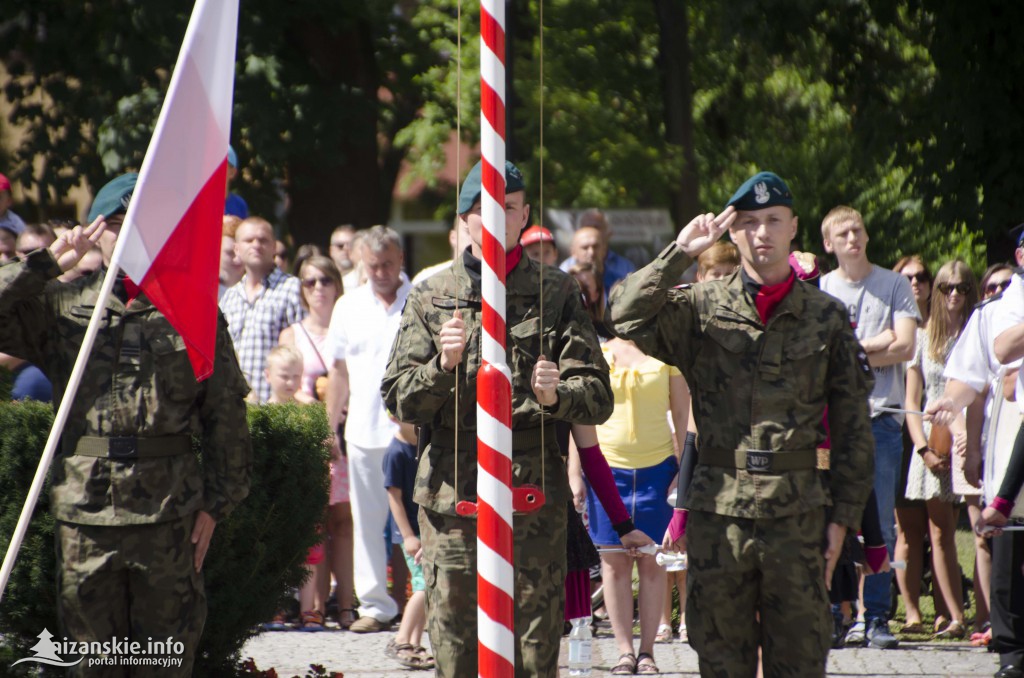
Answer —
(759, 461)
(123, 447)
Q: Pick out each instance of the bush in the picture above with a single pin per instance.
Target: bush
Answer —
(256, 556)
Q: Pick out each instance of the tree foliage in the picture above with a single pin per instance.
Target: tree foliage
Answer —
(904, 109)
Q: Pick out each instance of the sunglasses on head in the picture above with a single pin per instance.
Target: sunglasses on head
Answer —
(961, 288)
(919, 278)
(310, 283)
(996, 287)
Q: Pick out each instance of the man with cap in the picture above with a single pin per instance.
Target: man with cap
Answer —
(539, 245)
(557, 374)
(234, 204)
(134, 511)
(884, 315)
(764, 354)
(11, 225)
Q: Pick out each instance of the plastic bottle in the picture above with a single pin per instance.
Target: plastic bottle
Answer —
(580, 641)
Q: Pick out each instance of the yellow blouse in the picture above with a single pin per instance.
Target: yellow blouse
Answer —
(637, 435)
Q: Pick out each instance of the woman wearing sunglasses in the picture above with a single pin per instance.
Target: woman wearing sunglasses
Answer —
(995, 280)
(929, 479)
(321, 288)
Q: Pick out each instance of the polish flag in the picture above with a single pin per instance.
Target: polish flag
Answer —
(170, 239)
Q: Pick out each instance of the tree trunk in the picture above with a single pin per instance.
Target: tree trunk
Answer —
(677, 87)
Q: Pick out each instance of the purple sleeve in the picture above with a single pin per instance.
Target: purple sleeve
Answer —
(599, 475)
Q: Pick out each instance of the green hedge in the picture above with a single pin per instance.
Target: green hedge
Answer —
(256, 556)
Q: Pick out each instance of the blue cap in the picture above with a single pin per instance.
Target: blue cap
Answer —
(470, 192)
(232, 157)
(114, 197)
(764, 189)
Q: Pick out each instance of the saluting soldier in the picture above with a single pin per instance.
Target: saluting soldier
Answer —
(557, 370)
(135, 511)
(764, 355)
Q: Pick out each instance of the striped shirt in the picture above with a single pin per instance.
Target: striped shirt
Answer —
(256, 327)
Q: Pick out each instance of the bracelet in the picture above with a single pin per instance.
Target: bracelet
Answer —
(924, 449)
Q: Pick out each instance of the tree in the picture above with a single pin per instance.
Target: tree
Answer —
(89, 78)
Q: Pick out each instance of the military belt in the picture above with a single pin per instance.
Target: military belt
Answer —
(761, 461)
(131, 447)
(523, 438)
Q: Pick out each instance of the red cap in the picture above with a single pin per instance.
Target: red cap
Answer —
(536, 234)
(5, 184)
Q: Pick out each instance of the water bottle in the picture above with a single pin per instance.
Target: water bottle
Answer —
(580, 642)
(672, 562)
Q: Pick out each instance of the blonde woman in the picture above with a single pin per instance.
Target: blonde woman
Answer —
(928, 479)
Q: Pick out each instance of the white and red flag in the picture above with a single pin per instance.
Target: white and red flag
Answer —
(170, 239)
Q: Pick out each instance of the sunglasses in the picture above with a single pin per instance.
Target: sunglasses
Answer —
(919, 278)
(961, 288)
(310, 283)
(995, 288)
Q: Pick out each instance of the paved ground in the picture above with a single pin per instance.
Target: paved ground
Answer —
(363, 655)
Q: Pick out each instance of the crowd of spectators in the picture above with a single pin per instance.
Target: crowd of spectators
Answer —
(309, 326)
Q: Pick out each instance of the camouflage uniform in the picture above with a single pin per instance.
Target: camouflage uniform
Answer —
(756, 501)
(124, 523)
(417, 390)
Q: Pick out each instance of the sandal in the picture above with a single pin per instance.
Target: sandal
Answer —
(645, 665)
(955, 631)
(346, 617)
(413, 657)
(626, 665)
(683, 636)
(982, 638)
(664, 634)
(279, 623)
(913, 627)
(940, 624)
(311, 621)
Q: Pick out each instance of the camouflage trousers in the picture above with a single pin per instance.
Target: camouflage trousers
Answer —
(135, 582)
(449, 568)
(758, 583)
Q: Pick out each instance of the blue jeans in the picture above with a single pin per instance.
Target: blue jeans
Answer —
(888, 434)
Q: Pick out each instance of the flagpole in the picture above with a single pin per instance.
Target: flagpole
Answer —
(113, 266)
(59, 420)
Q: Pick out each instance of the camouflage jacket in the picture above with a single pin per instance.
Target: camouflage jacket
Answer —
(418, 391)
(139, 382)
(758, 387)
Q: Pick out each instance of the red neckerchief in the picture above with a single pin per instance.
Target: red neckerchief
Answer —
(131, 290)
(512, 257)
(769, 297)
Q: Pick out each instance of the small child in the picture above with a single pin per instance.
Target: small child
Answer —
(399, 479)
(284, 374)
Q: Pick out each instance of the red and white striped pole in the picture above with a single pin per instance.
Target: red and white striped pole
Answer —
(495, 607)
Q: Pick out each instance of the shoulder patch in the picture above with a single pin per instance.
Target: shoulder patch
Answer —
(862, 360)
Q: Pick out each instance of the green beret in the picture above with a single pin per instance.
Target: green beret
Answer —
(470, 192)
(764, 189)
(114, 197)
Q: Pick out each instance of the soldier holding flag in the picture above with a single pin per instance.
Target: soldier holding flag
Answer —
(135, 511)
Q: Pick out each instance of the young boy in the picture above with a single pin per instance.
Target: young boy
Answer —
(284, 374)
(399, 478)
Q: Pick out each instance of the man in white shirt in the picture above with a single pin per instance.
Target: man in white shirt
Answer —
(884, 317)
(363, 327)
(993, 336)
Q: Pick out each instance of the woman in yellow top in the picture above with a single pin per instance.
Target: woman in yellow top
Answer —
(643, 455)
